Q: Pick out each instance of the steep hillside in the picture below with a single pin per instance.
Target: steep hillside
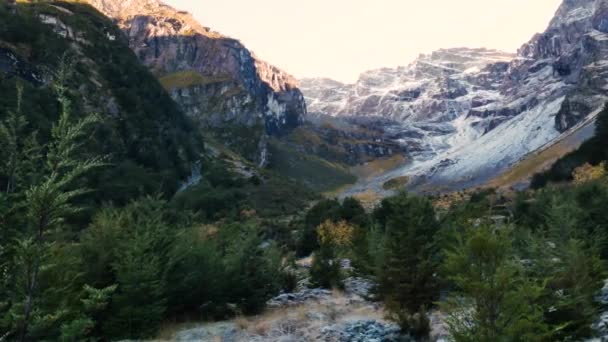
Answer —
(151, 145)
(215, 79)
(468, 114)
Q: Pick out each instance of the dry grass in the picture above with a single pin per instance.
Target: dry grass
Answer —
(168, 330)
(189, 78)
(445, 201)
(532, 164)
(396, 183)
(303, 136)
(378, 166)
(301, 322)
(369, 198)
(242, 323)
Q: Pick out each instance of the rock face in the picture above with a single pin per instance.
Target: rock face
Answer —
(466, 114)
(214, 78)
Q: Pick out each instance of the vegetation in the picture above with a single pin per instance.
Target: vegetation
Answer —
(98, 240)
(314, 172)
(396, 183)
(189, 78)
(407, 278)
(592, 151)
(148, 140)
(94, 242)
(514, 267)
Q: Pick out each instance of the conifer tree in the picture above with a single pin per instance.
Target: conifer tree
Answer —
(41, 182)
(408, 283)
(492, 299)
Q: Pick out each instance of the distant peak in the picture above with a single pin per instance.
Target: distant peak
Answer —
(574, 10)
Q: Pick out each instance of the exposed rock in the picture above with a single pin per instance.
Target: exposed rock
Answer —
(358, 286)
(222, 331)
(601, 326)
(362, 331)
(300, 297)
(483, 109)
(214, 78)
(14, 65)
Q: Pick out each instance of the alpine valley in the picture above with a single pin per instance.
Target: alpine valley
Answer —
(464, 115)
(160, 182)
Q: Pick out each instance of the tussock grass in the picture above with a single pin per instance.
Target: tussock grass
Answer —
(379, 166)
(189, 78)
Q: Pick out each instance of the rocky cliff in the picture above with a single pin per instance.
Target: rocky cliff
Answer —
(214, 78)
(149, 142)
(467, 114)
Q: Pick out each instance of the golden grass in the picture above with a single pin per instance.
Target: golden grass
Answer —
(189, 78)
(532, 164)
(396, 183)
(368, 198)
(305, 136)
(378, 166)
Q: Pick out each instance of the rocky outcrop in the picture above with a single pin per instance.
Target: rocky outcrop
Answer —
(13, 64)
(363, 331)
(214, 78)
(480, 109)
(350, 141)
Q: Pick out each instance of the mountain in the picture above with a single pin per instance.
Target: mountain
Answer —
(466, 115)
(234, 95)
(421, 100)
(149, 142)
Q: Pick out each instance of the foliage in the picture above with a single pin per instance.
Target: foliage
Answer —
(325, 268)
(315, 173)
(593, 152)
(42, 184)
(350, 211)
(139, 128)
(492, 299)
(223, 193)
(588, 172)
(407, 280)
(338, 234)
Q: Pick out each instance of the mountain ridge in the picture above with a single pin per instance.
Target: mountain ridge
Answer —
(214, 78)
(462, 127)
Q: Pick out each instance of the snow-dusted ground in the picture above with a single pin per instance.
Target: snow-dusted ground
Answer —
(466, 115)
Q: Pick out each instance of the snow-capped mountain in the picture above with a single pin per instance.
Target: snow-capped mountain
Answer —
(467, 114)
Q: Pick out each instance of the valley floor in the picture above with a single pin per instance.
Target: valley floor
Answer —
(307, 315)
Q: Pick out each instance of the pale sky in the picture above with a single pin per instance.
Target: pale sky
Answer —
(342, 38)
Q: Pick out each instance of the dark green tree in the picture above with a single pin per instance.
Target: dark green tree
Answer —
(408, 282)
(42, 183)
(492, 298)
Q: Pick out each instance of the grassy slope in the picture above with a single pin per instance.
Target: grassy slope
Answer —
(316, 173)
(541, 160)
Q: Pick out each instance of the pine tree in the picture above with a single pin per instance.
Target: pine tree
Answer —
(492, 299)
(408, 283)
(42, 183)
(325, 268)
(140, 302)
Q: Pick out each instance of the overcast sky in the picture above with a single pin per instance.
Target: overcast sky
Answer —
(342, 38)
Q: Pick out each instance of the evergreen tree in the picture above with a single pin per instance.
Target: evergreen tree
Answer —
(43, 184)
(408, 283)
(325, 268)
(492, 299)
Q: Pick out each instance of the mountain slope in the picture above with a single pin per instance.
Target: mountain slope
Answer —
(464, 125)
(215, 79)
(151, 145)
